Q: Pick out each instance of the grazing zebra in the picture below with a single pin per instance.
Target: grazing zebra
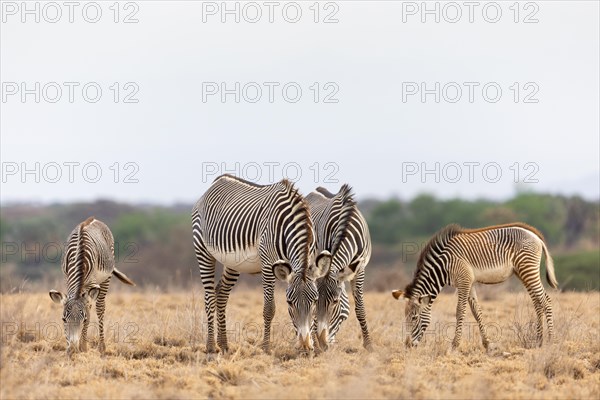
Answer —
(88, 264)
(255, 229)
(342, 231)
(460, 257)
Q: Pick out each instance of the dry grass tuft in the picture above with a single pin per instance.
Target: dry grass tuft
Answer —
(554, 363)
(227, 374)
(156, 343)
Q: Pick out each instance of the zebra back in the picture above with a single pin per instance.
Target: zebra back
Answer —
(90, 251)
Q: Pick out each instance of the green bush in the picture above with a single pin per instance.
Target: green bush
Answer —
(578, 271)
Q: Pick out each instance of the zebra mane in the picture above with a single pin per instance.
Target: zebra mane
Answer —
(325, 192)
(297, 198)
(509, 225)
(80, 263)
(345, 197)
(241, 180)
(439, 240)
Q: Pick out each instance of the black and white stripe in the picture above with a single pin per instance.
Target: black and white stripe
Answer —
(88, 264)
(460, 257)
(255, 229)
(342, 231)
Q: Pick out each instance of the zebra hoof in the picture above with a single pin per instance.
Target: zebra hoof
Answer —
(491, 348)
(321, 347)
(211, 349)
(102, 348)
(266, 349)
(368, 347)
(306, 353)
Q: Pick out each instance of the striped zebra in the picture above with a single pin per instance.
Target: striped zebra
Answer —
(88, 264)
(460, 257)
(251, 228)
(342, 231)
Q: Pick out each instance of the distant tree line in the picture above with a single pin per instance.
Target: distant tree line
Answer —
(566, 222)
(154, 247)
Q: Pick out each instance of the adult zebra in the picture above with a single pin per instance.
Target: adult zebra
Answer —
(88, 265)
(251, 228)
(460, 257)
(342, 231)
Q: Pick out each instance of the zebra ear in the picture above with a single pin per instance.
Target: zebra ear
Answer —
(345, 274)
(322, 264)
(349, 271)
(94, 292)
(57, 297)
(282, 271)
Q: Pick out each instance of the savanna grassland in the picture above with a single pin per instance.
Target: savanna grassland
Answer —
(155, 349)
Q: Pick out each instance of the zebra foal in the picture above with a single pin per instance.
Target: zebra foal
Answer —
(88, 264)
(460, 257)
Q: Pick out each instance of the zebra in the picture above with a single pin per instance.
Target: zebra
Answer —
(257, 229)
(342, 231)
(88, 264)
(460, 257)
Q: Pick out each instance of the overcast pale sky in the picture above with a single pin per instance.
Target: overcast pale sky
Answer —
(377, 94)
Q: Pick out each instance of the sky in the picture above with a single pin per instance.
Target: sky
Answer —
(149, 101)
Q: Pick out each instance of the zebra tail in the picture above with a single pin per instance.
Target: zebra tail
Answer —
(550, 276)
(122, 277)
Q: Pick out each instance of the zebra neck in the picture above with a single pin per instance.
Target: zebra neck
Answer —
(428, 284)
(340, 260)
(79, 258)
(76, 281)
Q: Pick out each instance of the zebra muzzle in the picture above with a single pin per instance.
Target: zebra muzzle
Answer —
(305, 342)
(323, 342)
(72, 348)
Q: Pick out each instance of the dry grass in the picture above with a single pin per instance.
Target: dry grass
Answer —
(156, 350)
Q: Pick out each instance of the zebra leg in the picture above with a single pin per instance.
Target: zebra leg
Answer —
(100, 307)
(228, 280)
(461, 308)
(539, 313)
(549, 317)
(476, 310)
(359, 307)
(206, 263)
(268, 281)
(538, 296)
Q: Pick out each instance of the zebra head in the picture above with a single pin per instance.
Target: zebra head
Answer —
(417, 315)
(329, 308)
(302, 294)
(333, 306)
(76, 311)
